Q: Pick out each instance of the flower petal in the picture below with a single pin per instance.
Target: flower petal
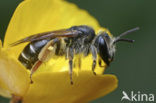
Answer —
(36, 16)
(56, 87)
(5, 93)
(13, 76)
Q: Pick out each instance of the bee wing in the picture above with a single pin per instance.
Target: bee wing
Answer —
(45, 35)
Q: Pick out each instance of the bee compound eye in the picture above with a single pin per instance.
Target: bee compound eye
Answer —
(103, 49)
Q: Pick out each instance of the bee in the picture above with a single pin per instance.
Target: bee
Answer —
(69, 42)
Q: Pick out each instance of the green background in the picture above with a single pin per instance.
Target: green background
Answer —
(134, 64)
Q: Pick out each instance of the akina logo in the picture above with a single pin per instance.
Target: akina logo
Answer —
(137, 96)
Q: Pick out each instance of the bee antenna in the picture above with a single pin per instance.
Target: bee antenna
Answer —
(118, 38)
(124, 39)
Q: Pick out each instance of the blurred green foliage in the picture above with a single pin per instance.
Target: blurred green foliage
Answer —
(134, 64)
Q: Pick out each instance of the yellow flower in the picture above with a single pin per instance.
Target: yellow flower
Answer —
(51, 80)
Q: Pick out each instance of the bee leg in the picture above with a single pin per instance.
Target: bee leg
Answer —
(93, 67)
(71, 71)
(70, 57)
(79, 62)
(34, 68)
(44, 55)
(100, 63)
(94, 56)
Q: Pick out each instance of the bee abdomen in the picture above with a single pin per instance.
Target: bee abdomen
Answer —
(29, 55)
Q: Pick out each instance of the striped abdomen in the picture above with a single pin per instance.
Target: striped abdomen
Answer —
(30, 53)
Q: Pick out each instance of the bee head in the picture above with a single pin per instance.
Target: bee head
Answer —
(106, 45)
